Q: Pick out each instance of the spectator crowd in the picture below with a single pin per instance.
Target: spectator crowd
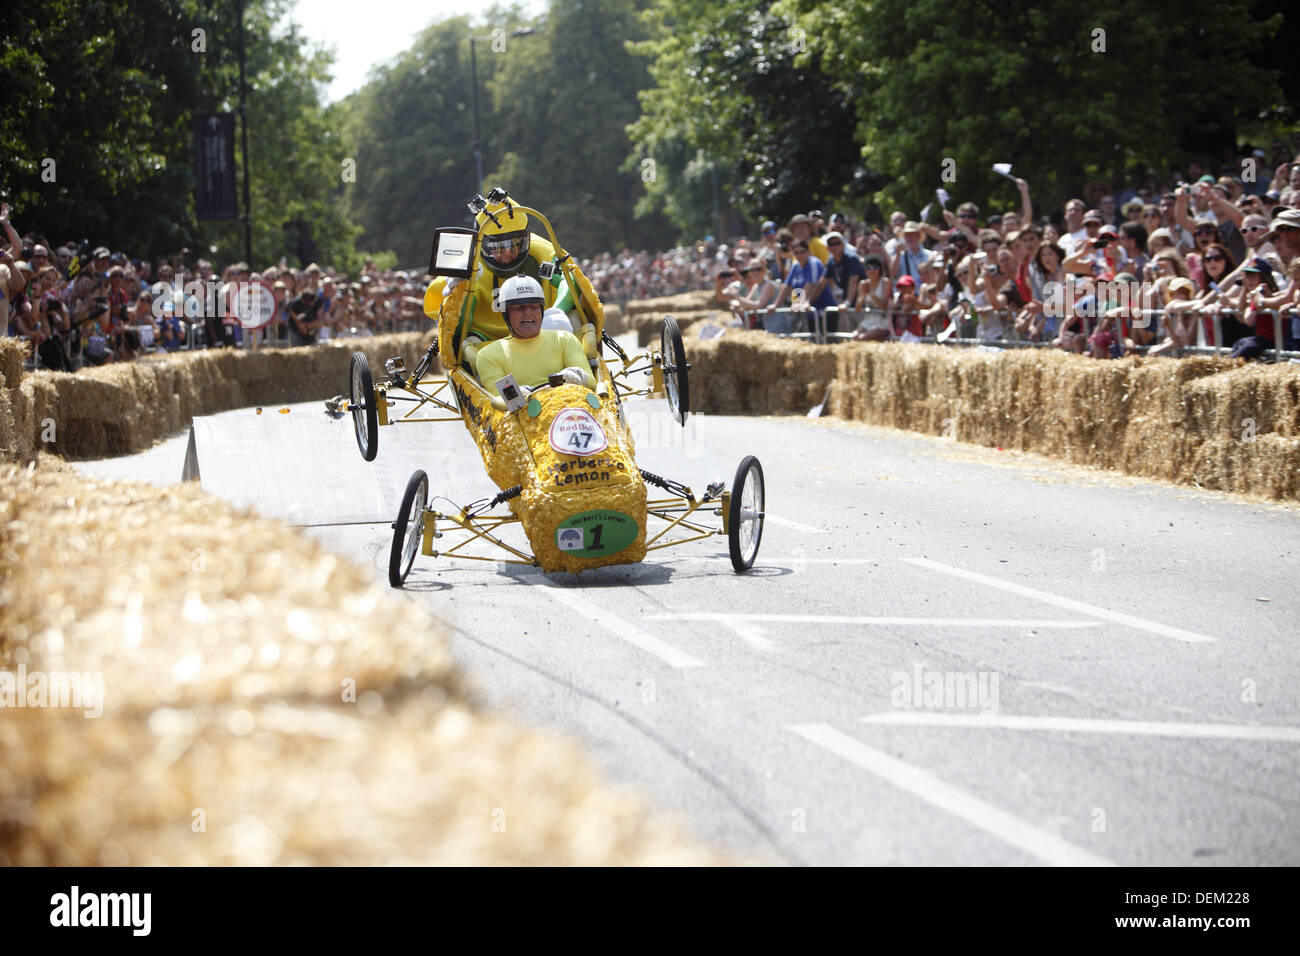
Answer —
(85, 306)
(1202, 259)
(1158, 268)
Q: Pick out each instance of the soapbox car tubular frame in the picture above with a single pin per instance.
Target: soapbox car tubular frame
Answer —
(740, 507)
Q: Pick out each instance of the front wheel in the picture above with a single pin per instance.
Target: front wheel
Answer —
(676, 382)
(745, 517)
(408, 529)
(361, 402)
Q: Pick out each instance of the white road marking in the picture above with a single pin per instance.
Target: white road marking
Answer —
(785, 559)
(1088, 725)
(731, 619)
(1019, 833)
(787, 523)
(1128, 620)
(612, 622)
(752, 635)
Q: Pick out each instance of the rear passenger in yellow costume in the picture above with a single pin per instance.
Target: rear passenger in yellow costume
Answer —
(531, 353)
(506, 249)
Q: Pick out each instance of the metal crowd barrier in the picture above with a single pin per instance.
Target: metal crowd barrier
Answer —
(787, 323)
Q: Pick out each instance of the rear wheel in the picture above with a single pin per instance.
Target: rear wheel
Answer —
(361, 402)
(408, 529)
(745, 518)
(676, 382)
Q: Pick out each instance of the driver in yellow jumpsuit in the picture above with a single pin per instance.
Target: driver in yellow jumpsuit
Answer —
(531, 353)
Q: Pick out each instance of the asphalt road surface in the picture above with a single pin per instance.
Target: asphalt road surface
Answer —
(943, 655)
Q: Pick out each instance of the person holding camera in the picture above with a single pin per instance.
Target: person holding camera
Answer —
(305, 317)
(1099, 255)
(727, 284)
(759, 291)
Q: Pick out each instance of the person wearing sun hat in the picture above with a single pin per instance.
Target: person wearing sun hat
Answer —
(802, 227)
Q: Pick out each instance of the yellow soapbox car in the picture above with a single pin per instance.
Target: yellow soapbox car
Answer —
(562, 456)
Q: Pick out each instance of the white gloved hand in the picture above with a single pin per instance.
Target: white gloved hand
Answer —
(574, 375)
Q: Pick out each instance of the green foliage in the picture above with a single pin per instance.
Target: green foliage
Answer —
(818, 102)
(1029, 85)
(410, 130)
(735, 89)
(107, 90)
(554, 106)
(563, 99)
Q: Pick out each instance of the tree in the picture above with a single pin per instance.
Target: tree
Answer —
(108, 90)
(410, 130)
(563, 99)
(736, 91)
(1065, 92)
(554, 105)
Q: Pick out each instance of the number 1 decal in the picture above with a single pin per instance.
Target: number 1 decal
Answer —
(595, 538)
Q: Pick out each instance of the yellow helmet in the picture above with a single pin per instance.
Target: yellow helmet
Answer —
(503, 237)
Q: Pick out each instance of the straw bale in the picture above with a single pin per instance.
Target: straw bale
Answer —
(615, 319)
(1207, 421)
(312, 717)
(647, 325)
(124, 408)
(693, 301)
(13, 352)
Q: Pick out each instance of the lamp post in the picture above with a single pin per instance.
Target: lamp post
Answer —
(473, 87)
(243, 127)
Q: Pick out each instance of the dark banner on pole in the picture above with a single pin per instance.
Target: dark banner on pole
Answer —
(214, 166)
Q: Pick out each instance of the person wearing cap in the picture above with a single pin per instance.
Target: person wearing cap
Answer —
(99, 262)
(1256, 303)
(171, 331)
(905, 311)
(801, 227)
(1284, 233)
(1176, 297)
(768, 232)
(1255, 232)
(845, 272)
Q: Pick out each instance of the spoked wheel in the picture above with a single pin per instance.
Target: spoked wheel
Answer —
(361, 400)
(676, 383)
(408, 529)
(745, 519)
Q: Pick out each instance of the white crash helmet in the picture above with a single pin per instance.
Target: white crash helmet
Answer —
(554, 318)
(519, 290)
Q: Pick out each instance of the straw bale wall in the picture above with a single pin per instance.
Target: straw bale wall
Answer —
(263, 703)
(124, 408)
(1210, 422)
